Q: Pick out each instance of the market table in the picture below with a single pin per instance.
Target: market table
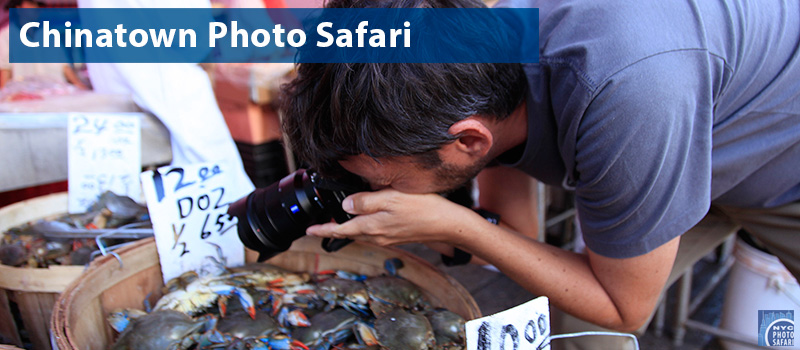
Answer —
(33, 136)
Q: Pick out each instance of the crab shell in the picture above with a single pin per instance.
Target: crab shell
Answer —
(448, 327)
(327, 328)
(240, 325)
(388, 292)
(347, 293)
(157, 330)
(399, 329)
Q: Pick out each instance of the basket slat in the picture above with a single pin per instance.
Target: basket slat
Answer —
(8, 328)
(38, 308)
(34, 290)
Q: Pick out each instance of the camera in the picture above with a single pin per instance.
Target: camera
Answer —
(271, 218)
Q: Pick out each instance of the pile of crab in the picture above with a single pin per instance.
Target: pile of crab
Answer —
(71, 239)
(266, 307)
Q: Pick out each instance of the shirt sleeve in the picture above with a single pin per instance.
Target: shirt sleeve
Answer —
(643, 155)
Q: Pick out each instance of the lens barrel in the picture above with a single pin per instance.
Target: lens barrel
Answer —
(271, 218)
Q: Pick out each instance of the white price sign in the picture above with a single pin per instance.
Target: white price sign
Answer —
(188, 207)
(523, 327)
(104, 154)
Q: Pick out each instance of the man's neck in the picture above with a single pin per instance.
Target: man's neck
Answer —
(510, 132)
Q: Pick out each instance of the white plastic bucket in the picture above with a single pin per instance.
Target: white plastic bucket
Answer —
(758, 281)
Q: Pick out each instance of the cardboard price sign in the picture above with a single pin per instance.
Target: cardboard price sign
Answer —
(104, 154)
(523, 327)
(188, 207)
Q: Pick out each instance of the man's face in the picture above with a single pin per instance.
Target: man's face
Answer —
(406, 174)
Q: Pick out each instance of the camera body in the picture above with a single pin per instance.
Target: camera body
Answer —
(271, 218)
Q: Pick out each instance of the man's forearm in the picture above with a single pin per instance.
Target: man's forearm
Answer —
(567, 278)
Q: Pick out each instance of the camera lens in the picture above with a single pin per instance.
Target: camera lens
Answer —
(271, 218)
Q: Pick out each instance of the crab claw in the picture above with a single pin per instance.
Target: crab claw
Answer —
(298, 345)
(277, 303)
(295, 318)
(121, 318)
(246, 301)
(365, 333)
(222, 303)
(283, 343)
(392, 265)
(298, 319)
(342, 274)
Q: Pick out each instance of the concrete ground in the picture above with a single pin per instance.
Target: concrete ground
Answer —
(495, 292)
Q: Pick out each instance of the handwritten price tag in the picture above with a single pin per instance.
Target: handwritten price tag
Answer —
(104, 154)
(526, 326)
(188, 207)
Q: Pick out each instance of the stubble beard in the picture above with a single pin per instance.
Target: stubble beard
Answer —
(451, 177)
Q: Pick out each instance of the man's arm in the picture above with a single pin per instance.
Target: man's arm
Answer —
(509, 193)
(513, 195)
(614, 293)
(72, 77)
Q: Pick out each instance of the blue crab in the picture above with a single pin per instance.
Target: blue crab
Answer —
(269, 278)
(327, 328)
(448, 328)
(180, 282)
(238, 330)
(388, 292)
(203, 293)
(399, 329)
(164, 329)
(350, 294)
(120, 319)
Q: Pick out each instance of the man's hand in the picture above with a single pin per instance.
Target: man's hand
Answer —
(389, 217)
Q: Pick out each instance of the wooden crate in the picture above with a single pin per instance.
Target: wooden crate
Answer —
(33, 291)
(79, 316)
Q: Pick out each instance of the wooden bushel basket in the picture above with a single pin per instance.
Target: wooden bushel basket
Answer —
(34, 291)
(79, 317)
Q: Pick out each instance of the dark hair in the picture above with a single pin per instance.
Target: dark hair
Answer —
(335, 110)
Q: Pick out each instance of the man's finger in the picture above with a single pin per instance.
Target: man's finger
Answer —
(367, 202)
(324, 230)
(334, 230)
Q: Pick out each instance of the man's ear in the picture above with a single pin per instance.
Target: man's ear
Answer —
(474, 138)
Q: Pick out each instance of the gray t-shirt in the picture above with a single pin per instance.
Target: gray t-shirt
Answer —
(653, 109)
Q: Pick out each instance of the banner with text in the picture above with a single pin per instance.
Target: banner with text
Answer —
(372, 35)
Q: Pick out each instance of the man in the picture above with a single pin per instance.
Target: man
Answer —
(651, 111)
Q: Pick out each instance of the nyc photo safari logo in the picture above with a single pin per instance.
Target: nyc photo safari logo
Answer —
(776, 327)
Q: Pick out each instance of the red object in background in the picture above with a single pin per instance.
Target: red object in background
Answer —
(274, 4)
(14, 196)
(60, 3)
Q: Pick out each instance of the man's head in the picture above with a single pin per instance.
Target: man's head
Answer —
(335, 112)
